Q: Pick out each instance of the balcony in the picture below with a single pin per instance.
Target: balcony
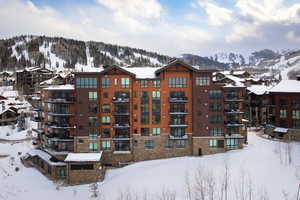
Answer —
(54, 125)
(60, 113)
(173, 124)
(178, 111)
(181, 99)
(120, 99)
(233, 111)
(235, 135)
(121, 137)
(233, 123)
(60, 100)
(233, 98)
(121, 112)
(121, 126)
(58, 138)
(178, 137)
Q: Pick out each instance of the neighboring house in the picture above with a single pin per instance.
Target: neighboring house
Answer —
(122, 115)
(256, 105)
(8, 116)
(284, 108)
(29, 78)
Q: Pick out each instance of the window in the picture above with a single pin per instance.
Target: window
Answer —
(106, 108)
(177, 132)
(116, 81)
(105, 82)
(177, 82)
(125, 82)
(215, 107)
(86, 82)
(105, 94)
(145, 131)
(295, 103)
(213, 143)
(155, 94)
(92, 96)
(155, 131)
(105, 145)
(202, 81)
(105, 120)
(92, 121)
(82, 167)
(93, 147)
(169, 144)
(149, 144)
(156, 83)
(282, 102)
(232, 143)
(180, 143)
(62, 173)
(155, 118)
(135, 106)
(282, 113)
(215, 131)
(93, 134)
(106, 133)
(93, 108)
(144, 83)
(216, 119)
(296, 123)
(295, 114)
(215, 94)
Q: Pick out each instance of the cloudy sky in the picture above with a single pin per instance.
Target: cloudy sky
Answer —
(170, 27)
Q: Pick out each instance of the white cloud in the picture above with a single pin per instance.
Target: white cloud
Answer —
(216, 15)
(113, 23)
(134, 8)
(292, 36)
(241, 31)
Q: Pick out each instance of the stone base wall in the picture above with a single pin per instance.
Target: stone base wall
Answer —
(51, 172)
(201, 146)
(140, 153)
(83, 176)
(116, 159)
(293, 134)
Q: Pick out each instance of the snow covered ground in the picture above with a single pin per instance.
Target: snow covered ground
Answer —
(264, 162)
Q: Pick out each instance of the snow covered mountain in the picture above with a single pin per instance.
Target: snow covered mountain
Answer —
(287, 65)
(60, 53)
(232, 59)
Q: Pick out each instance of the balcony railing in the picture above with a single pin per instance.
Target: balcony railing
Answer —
(60, 125)
(233, 111)
(60, 113)
(181, 99)
(121, 125)
(177, 124)
(233, 98)
(121, 137)
(120, 99)
(178, 137)
(178, 111)
(121, 112)
(60, 100)
(233, 123)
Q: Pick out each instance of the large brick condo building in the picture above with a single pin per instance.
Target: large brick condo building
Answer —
(284, 110)
(121, 115)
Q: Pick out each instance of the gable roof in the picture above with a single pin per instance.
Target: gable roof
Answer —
(109, 68)
(176, 62)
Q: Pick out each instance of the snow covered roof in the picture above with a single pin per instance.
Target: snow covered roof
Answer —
(238, 81)
(143, 72)
(83, 157)
(287, 86)
(281, 130)
(60, 87)
(258, 89)
(45, 156)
